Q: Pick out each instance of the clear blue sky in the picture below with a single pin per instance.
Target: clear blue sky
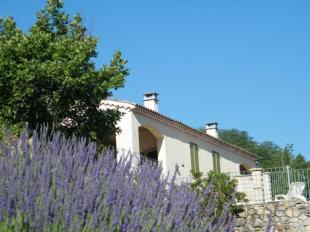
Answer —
(243, 63)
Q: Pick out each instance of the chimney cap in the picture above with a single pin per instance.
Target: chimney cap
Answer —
(150, 96)
(212, 124)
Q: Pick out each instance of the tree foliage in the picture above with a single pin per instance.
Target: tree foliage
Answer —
(48, 75)
(239, 138)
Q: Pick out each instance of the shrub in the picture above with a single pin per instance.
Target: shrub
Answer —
(49, 183)
(222, 187)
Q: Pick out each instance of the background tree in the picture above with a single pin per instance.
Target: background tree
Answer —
(272, 154)
(239, 138)
(48, 75)
(299, 162)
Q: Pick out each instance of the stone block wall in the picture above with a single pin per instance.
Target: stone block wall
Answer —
(283, 216)
(256, 185)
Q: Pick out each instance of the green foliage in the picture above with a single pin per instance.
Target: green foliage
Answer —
(222, 186)
(12, 224)
(299, 162)
(272, 154)
(48, 75)
(18, 223)
(239, 138)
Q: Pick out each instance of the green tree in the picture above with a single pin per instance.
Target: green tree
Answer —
(48, 75)
(271, 155)
(239, 138)
(299, 162)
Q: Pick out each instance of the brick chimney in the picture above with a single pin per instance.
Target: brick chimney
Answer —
(212, 129)
(151, 101)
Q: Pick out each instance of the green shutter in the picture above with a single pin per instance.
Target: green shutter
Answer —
(192, 158)
(214, 161)
(218, 163)
(196, 159)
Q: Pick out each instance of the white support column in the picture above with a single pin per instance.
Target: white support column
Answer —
(258, 195)
(161, 149)
(127, 141)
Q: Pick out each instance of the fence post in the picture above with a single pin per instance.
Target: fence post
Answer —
(258, 188)
(288, 176)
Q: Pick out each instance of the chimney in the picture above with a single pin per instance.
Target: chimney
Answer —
(212, 129)
(151, 101)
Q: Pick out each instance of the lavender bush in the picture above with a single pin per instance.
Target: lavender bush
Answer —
(49, 183)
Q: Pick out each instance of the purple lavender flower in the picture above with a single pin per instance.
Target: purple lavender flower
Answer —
(59, 183)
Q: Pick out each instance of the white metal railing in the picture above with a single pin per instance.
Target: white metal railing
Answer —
(136, 157)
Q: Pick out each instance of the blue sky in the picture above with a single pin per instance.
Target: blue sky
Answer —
(243, 63)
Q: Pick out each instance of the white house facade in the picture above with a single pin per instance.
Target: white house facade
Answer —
(145, 131)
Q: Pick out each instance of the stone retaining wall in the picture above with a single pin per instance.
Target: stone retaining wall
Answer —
(290, 215)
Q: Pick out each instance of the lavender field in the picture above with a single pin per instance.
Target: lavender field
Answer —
(49, 183)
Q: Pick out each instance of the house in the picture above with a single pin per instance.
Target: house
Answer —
(145, 131)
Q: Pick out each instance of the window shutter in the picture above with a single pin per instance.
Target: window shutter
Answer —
(218, 159)
(196, 159)
(192, 158)
(214, 161)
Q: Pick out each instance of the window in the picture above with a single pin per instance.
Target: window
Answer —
(216, 162)
(194, 158)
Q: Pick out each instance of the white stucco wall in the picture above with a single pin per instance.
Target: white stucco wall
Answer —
(174, 146)
(127, 138)
(177, 145)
